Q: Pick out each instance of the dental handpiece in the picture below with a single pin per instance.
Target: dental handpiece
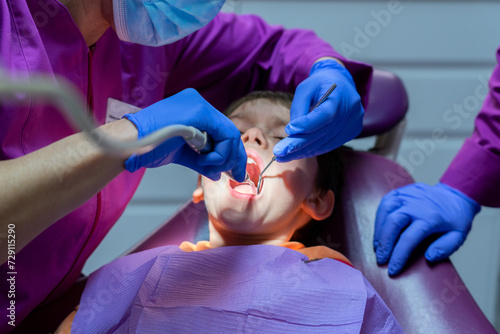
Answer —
(320, 101)
(202, 143)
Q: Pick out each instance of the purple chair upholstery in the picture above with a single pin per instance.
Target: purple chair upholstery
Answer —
(425, 298)
(387, 104)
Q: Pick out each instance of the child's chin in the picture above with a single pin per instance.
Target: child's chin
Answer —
(238, 222)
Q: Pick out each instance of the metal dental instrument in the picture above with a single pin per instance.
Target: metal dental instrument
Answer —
(260, 175)
(321, 100)
(325, 96)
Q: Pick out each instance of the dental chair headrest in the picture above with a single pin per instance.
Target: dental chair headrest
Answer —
(387, 104)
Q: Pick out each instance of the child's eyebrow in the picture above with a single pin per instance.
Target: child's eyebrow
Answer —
(279, 121)
(274, 120)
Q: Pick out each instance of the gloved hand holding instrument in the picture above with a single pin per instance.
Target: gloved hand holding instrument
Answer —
(189, 108)
(330, 125)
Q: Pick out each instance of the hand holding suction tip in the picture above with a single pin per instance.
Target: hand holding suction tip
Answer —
(206, 145)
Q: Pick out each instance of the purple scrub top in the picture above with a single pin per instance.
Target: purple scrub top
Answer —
(475, 170)
(227, 59)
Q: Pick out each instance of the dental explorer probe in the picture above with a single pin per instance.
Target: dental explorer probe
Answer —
(321, 100)
(260, 175)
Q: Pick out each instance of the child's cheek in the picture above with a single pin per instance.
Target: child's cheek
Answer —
(294, 180)
(299, 176)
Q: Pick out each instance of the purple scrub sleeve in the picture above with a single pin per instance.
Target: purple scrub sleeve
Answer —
(475, 170)
(228, 58)
(242, 53)
(260, 288)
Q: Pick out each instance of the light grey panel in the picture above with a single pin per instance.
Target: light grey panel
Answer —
(426, 158)
(166, 184)
(415, 32)
(136, 222)
(443, 98)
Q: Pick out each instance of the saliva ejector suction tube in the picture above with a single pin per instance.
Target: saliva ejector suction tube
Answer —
(68, 99)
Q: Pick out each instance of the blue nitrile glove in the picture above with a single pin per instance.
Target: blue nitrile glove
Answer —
(406, 216)
(190, 108)
(335, 122)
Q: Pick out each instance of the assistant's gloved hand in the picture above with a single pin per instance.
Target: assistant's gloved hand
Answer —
(190, 108)
(335, 122)
(406, 216)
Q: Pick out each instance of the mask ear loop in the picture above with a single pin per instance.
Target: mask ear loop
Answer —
(120, 19)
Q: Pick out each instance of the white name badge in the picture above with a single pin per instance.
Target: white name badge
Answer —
(116, 109)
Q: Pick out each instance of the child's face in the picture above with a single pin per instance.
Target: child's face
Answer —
(285, 186)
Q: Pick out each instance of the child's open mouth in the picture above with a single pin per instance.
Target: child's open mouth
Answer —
(248, 188)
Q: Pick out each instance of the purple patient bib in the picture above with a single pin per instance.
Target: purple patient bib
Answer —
(240, 289)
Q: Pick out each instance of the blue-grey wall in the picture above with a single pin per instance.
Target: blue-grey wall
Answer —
(443, 50)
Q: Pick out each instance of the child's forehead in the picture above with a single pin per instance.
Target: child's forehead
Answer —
(263, 110)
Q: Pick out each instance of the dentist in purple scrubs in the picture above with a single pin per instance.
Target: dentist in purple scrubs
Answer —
(60, 194)
(408, 215)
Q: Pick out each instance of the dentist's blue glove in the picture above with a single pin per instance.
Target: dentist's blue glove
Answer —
(406, 216)
(335, 122)
(190, 108)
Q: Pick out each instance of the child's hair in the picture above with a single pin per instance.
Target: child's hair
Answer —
(329, 164)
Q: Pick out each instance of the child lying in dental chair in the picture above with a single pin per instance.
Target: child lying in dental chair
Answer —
(249, 277)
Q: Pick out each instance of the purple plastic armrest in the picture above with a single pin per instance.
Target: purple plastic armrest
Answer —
(425, 298)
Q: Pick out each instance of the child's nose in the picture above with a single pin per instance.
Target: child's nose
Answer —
(255, 135)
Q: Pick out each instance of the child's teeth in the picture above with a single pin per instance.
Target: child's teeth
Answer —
(251, 161)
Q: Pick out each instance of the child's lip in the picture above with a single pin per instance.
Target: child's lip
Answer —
(253, 172)
(231, 184)
(254, 169)
(255, 157)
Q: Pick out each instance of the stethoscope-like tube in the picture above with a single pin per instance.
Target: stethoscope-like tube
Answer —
(68, 99)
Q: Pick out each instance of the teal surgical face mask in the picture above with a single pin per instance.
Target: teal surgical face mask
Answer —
(156, 23)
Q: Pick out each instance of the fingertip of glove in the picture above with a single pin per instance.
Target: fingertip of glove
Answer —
(239, 174)
(280, 150)
(131, 163)
(435, 255)
(394, 269)
(381, 256)
(291, 128)
(214, 177)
